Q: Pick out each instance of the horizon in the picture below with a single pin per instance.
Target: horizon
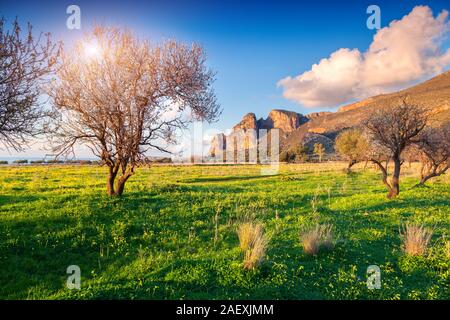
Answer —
(289, 56)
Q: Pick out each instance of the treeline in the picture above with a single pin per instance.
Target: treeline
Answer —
(303, 153)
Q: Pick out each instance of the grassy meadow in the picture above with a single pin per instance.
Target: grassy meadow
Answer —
(173, 233)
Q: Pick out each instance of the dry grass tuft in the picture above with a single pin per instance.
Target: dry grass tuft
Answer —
(317, 237)
(327, 236)
(416, 239)
(253, 242)
(248, 232)
(311, 241)
(256, 254)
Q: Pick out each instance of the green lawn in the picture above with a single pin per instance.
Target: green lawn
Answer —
(158, 240)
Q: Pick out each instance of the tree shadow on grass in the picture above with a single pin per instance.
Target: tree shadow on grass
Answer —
(18, 198)
(413, 203)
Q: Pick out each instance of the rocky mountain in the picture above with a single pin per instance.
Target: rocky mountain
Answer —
(323, 127)
(284, 120)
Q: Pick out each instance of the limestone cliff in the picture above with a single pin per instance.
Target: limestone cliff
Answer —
(247, 122)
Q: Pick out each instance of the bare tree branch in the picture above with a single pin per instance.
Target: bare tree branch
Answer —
(391, 130)
(25, 64)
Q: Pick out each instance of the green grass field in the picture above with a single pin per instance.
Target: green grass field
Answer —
(173, 233)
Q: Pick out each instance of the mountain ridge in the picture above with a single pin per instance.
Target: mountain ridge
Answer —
(296, 128)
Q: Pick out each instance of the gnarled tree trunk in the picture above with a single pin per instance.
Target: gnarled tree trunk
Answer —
(113, 169)
(121, 183)
(351, 163)
(116, 185)
(393, 187)
(384, 174)
(431, 171)
(395, 183)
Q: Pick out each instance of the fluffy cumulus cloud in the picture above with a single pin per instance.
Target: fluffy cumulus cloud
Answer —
(406, 51)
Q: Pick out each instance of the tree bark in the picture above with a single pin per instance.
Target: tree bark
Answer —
(121, 184)
(351, 163)
(395, 183)
(425, 179)
(116, 185)
(435, 172)
(110, 181)
(384, 174)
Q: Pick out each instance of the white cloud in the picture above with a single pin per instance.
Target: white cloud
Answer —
(407, 50)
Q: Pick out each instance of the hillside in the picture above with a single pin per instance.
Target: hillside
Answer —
(323, 126)
(433, 94)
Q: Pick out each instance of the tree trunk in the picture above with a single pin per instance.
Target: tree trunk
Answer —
(365, 164)
(395, 183)
(384, 175)
(115, 186)
(351, 163)
(110, 181)
(121, 184)
(431, 173)
(424, 179)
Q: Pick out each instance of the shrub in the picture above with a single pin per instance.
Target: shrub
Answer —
(3, 162)
(54, 161)
(82, 162)
(72, 161)
(297, 154)
(352, 146)
(284, 156)
(20, 161)
(253, 242)
(319, 150)
(416, 239)
(317, 237)
(37, 161)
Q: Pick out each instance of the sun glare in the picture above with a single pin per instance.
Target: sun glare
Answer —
(91, 50)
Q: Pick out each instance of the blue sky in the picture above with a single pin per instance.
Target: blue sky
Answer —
(250, 44)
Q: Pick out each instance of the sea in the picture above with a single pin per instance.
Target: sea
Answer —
(14, 158)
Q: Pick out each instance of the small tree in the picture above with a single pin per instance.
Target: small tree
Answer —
(284, 156)
(25, 61)
(319, 150)
(121, 96)
(434, 150)
(393, 129)
(299, 153)
(352, 145)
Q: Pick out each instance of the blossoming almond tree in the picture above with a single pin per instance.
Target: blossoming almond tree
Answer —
(121, 96)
